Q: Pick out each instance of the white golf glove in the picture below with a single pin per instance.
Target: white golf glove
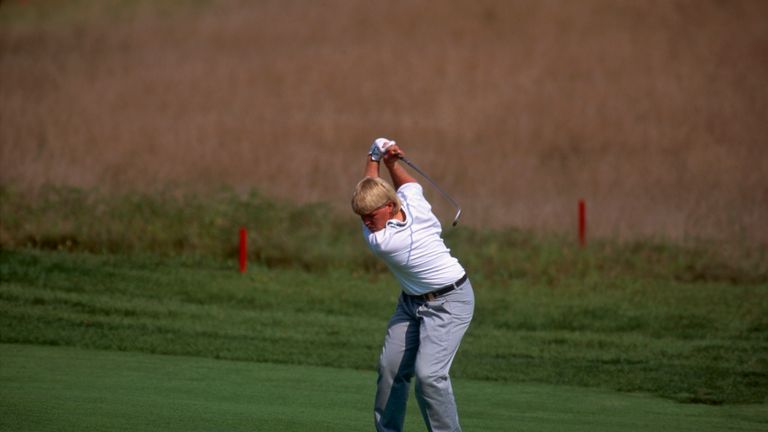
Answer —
(378, 148)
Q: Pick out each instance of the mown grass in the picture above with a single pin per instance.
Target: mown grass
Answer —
(114, 391)
(157, 273)
(701, 342)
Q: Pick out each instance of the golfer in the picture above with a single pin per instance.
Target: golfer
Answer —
(436, 304)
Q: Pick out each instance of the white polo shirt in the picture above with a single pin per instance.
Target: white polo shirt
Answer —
(414, 250)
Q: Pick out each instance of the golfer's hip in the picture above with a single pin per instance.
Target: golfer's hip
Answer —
(440, 292)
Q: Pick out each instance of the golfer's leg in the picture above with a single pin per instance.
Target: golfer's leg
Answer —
(442, 328)
(396, 370)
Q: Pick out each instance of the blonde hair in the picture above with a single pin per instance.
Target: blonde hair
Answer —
(372, 193)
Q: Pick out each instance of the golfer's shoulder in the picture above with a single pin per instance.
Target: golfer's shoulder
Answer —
(410, 189)
(412, 195)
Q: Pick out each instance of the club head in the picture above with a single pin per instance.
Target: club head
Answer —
(456, 218)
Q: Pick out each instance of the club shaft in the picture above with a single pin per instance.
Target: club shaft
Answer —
(445, 194)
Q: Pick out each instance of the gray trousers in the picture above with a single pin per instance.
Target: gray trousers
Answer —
(422, 340)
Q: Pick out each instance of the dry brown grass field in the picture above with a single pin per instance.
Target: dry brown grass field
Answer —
(654, 112)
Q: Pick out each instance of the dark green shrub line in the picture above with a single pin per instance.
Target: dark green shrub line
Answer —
(314, 237)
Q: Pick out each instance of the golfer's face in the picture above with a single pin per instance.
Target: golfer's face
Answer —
(377, 219)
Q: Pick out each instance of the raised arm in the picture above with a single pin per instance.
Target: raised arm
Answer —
(387, 151)
(373, 161)
(371, 167)
(399, 175)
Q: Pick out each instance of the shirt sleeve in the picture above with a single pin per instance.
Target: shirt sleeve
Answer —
(412, 191)
(418, 208)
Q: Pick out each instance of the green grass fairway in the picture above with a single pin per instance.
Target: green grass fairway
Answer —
(70, 389)
(690, 342)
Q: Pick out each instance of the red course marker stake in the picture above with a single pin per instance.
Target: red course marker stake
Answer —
(582, 223)
(243, 249)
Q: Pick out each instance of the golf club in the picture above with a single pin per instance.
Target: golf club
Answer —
(445, 194)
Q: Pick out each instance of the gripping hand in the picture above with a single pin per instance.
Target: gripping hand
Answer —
(379, 147)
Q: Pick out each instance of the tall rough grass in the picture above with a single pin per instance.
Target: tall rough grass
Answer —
(653, 111)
